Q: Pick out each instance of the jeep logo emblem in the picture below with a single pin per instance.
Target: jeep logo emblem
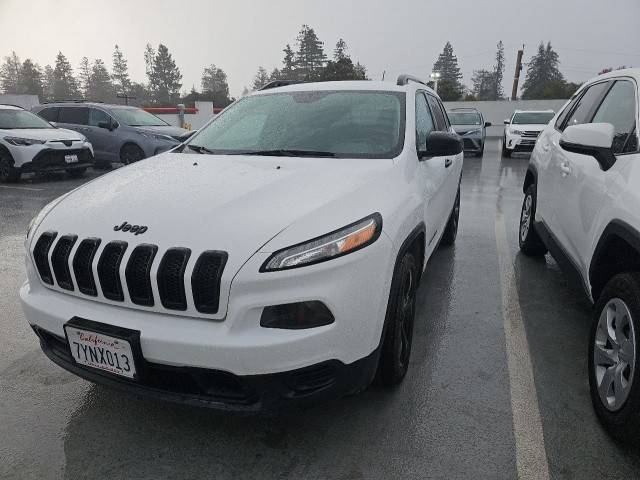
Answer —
(127, 227)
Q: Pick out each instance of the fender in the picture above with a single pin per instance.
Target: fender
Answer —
(530, 178)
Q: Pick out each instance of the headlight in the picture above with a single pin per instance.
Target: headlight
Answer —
(158, 136)
(473, 132)
(335, 244)
(23, 142)
(513, 131)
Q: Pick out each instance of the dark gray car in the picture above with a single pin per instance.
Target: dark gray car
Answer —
(470, 125)
(118, 133)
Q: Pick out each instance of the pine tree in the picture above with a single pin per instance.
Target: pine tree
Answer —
(149, 57)
(214, 84)
(84, 76)
(65, 85)
(543, 74)
(31, 81)
(498, 72)
(310, 57)
(100, 86)
(48, 83)
(484, 84)
(275, 75)
(288, 70)
(340, 51)
(10, 73)
(450, 83)
(261, 78)
(120, 75)
(164, 75)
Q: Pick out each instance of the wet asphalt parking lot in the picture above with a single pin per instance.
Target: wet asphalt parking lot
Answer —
(497, 384)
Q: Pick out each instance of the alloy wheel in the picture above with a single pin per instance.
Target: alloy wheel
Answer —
(405, 316)
(525, 217)
(614, 354)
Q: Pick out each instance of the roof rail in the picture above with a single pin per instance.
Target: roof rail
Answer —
(73, 100)
(464, 108)
(279, 83)
(405, 79)
(12, 105)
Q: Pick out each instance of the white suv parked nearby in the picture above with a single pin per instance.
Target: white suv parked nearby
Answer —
(30, 144)
(270, 261)
(582, 203)
(522, 129)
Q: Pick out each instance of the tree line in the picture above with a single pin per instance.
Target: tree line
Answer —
(306, 60)
(543, 78)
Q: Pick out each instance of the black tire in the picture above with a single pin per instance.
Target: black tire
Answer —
(398, 336)
(8, 173)
(621, 419)
(530, 242)
(481, 152)
(131, 153)
(505, 151)
(76, 172)
(451, 230)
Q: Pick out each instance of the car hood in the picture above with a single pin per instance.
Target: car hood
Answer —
(463, 129)
(47, 134)
(524, 127)
(175, 132)
(231, 203)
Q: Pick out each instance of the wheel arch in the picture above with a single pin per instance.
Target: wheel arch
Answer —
(617, 251)
(530, 178)
(5, 150)
(128, 143)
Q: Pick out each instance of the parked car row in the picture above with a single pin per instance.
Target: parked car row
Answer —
(71, 136)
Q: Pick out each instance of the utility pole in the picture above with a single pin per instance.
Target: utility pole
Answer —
(516, 77)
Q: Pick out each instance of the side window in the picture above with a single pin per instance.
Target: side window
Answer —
(50, 114)
(586, 104)
(444, 114)
(74, 115)
(619, 109)
(424, 122)
(563, 115)
(438, 116)
(96, 116)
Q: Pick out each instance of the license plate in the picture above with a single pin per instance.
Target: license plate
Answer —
(97, 350)
(71, 158)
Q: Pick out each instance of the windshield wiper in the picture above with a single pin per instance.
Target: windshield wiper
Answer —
(287, 153)
(200, 149)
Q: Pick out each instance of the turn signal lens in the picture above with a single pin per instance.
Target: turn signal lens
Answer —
(295, 316)
(341, 242)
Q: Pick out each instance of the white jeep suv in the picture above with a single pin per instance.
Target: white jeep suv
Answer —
(522, 129)
(30, 144)
(582, 203)
(272, 260)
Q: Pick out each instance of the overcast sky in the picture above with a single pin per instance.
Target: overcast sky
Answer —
(392, 35)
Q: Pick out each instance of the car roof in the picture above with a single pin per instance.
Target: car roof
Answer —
(359, 85)
(7, 106)
(74, 103)
(623, 72)
(534, 111)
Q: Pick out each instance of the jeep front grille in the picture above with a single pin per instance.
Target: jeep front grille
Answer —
(138, 278)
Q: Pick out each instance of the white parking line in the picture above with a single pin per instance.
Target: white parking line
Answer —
(22, 188)
(531, 457)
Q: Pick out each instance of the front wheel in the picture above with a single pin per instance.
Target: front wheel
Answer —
(451, 230)
(613, 356)
(398, 337)
(8, 173)
(505, 151)
(530, 242)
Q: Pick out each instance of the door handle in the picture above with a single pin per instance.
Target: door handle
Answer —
(565, 169)
(447, 162)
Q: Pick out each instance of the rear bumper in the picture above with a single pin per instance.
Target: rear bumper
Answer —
(267, 393)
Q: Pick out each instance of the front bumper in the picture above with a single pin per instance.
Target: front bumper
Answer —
(517, 143)
(49, 160)
(270, 393)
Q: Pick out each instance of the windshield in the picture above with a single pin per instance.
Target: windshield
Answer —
(10, 119)
(464, 118)
(135, 117)
(354, 124)
(532, 118)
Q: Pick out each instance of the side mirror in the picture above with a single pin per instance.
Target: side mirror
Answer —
(507, 121)
(441, 144)
(114, 124)
(106, 125)
(487, 124)
(594, 139)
